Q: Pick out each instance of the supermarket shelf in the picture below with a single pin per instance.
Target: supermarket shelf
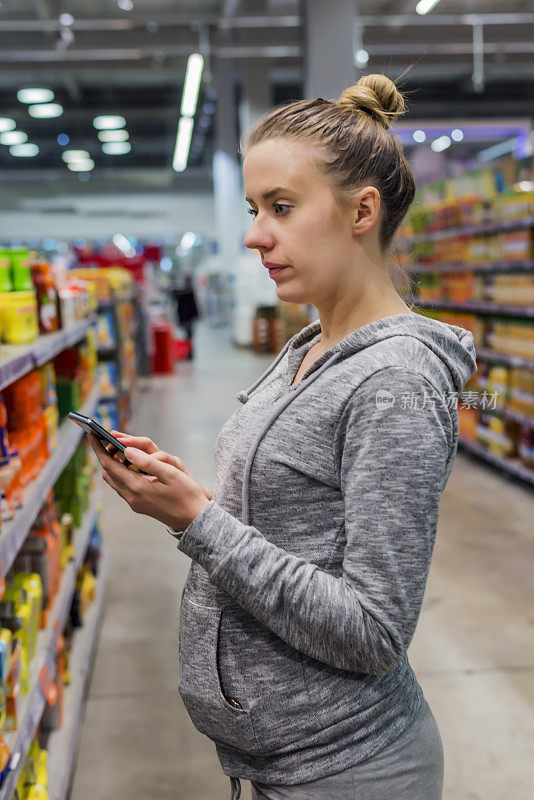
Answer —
(515, 416)
(17, 360)
(63, 744)
(476, 307)
(107, 351)
(33, 703)
(498, 266)
(474, 230)
(512, 467)
(501, 358)
(104, 304)
(109, 398)
(15, 531)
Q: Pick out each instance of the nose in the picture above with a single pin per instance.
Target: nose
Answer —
(259, 237)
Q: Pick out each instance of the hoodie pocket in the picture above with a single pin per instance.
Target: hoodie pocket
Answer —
(210, 711)
(267, 674)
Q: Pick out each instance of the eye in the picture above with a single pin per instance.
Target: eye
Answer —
(251, 212)
(281, 209)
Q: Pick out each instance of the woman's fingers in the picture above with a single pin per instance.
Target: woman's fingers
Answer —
(174, 461)
(148, 463)
(140, 442)
(167, 458)
(148, 446)
(143, 445)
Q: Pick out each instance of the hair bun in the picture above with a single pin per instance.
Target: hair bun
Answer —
(376, 95)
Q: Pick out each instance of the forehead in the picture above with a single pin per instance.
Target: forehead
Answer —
(280, 162)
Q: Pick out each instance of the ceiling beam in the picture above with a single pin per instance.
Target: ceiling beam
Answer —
(243, 51)
(416, 20)
(51, 22)
(163, 21)
(138, 53)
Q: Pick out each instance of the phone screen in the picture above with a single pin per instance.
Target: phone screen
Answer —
(108, 442)
(91, 426)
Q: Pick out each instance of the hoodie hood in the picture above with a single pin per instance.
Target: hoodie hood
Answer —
(453, 345)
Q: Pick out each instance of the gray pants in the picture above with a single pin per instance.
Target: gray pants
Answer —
(411, 768)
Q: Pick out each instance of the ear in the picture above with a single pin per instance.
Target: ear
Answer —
(365, 209)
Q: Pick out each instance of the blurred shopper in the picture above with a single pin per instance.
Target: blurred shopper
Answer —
(187, 310)
(310, 558)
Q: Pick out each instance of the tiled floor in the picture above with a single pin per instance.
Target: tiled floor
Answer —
(473, 650)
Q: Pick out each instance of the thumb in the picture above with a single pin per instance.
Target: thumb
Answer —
(168, 458)
(153, 466)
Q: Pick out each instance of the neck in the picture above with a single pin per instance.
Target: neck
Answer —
(349, 311)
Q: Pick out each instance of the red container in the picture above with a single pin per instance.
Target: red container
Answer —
(162, 359)
(181, 348)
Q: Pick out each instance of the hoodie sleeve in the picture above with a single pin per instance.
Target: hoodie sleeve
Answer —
(393, 465)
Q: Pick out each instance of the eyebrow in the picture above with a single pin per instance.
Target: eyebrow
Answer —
(271, 193)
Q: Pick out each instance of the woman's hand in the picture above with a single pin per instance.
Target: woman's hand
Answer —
(167, 493)
(147, 445)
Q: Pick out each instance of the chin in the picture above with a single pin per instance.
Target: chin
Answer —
(291, 297)
(289, 294)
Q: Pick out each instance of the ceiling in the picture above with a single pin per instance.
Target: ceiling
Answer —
(133, 63)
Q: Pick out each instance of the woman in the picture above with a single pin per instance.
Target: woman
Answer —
(310, 559)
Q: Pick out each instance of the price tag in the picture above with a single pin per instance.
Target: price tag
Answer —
(48, 686)
(2, 579)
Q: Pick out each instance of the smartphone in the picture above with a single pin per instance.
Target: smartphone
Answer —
(108, 442)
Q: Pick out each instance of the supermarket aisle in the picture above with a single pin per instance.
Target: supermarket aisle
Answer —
(473, 649)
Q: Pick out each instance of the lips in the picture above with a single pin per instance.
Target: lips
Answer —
(271, 265)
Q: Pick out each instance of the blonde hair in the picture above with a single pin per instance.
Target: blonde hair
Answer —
(353, 133)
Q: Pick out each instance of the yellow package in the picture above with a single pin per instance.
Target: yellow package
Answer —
(87, 589)
(31, 583)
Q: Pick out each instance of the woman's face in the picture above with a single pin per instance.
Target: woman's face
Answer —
(297, 222)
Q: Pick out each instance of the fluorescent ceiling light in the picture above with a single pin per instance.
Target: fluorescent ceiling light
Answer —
(419, 136)
(362, 57)
(498, 150)
(81, 166)
(193, 75)
(13, 137)
(75, 155)
(7, 124)
(457, 134)
(183, 142)
(113, 136)
(116, 148)
(125, 5)
(35, 95)
(121, 242)
(440, 144)
(66, 20)
(424, 6)
(24, 150)
(45, 110)
(188, 240)
(109, 121)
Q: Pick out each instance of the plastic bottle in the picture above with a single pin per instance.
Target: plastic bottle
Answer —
(21, 270)
(6, 283)
(47, 300)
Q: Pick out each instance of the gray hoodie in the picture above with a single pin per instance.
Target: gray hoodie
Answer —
(310, 563)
